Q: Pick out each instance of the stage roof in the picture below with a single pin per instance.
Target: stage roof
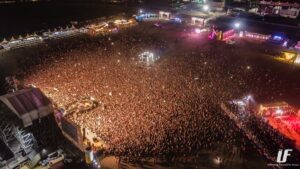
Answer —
(275, 104)
(28, 104)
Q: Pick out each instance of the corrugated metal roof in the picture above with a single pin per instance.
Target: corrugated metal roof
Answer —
(28, 104)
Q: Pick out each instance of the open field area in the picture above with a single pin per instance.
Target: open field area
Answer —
(147, 84)
(171, 107)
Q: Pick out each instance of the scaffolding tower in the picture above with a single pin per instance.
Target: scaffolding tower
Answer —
(19, 140)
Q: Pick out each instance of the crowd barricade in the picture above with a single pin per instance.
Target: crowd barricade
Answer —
(256, 36)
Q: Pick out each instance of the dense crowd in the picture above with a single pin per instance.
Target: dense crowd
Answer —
(267, 139)
(168, 108)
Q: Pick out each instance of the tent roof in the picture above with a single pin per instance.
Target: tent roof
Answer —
(275, 104)
(28, 104)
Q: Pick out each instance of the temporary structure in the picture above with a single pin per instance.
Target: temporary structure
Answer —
(28, 104)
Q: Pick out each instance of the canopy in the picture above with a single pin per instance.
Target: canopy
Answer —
(288, 3)
(28, 104)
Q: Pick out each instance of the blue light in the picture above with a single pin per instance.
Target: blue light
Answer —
(277, 37)
(178, 19)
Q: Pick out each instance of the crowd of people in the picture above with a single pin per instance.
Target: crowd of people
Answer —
(268, 140)
(166, 109)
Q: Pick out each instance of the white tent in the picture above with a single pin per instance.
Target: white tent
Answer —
(4, 41)
(164, 15)
(197, 21)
